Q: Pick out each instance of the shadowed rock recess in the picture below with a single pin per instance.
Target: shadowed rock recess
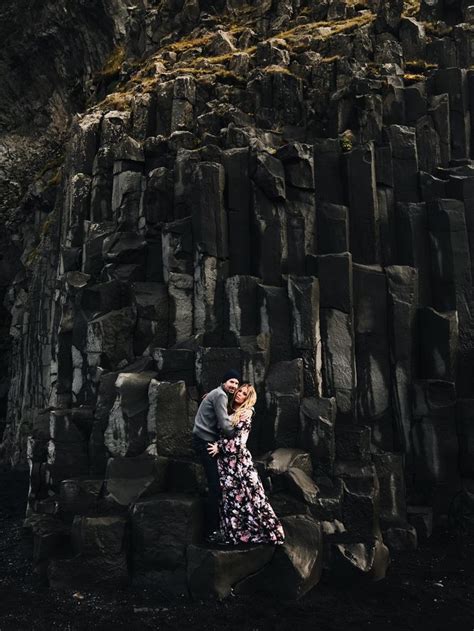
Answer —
(284, 187)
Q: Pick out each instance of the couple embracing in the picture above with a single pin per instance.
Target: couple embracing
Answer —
(237, 510)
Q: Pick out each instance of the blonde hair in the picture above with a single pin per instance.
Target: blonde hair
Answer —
(248, 404)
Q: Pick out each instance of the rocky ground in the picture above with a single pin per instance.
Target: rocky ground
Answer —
(430, 588)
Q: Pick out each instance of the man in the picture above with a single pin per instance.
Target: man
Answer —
(212, 420)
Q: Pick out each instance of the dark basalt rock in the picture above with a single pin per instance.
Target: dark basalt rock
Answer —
(100, 561)
(291, 198)
(214, 572)
(356, 561)
(163, 527)
(129, 479)
(296, 565)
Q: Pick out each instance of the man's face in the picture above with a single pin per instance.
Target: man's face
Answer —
(231, 385)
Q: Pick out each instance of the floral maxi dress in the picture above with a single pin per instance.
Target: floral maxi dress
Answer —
(246, 515)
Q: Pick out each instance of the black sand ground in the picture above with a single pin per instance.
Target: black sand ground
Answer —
(430, 589)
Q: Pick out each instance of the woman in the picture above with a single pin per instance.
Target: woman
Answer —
(246, 515)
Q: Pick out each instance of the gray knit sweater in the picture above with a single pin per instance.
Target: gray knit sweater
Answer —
(212, 417)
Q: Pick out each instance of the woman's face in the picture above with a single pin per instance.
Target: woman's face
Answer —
(241, 395)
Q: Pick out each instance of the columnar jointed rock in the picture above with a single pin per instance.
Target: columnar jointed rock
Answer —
(292, 201)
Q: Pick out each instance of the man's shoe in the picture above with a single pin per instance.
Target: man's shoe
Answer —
(216, 538)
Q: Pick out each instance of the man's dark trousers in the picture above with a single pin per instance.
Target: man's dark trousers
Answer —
(213, 499)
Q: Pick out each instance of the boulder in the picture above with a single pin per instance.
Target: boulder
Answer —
(400, 538)
(51, 538)
(214, 572)
(129, 479)
(300, 485)
(110, 338)
(281, 460)
(356, 561)
(353, 443)
(101, 559)
(360, 505)
(296, 565)
(421, 518)
(79, 496)
(162, 528)
(95, 537)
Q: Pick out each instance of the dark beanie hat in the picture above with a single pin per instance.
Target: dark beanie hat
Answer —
(231, 374)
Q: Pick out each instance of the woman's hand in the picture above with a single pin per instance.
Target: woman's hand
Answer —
(213, 449)
(245, 415)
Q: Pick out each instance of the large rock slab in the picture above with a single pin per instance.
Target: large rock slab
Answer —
(275, 321)
(281, 460)
(333, 228)
(241, 315)
(99, 536)
(51, 537)
(438, 344)
(110, 338)
(286, 377)
(391, 477)
(125, 434)
(129, 479)
(453, 81)
(280, 428)
(356, 561)
(268, 232)
(363, 204)
(434, 437)
(413, 245)
(360, 505)
(296, 565)
(162, 528)
(317, 432)
(168, 420)
(405, 163)
(101, 559)
(338, 358)
(151, 301)
(79, 497)
(402, 285)
(213, 572)
(450, 257)
(236, 162)
(373, 353)
(303, 293)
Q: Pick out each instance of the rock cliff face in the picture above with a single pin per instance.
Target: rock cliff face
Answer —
(282, 187)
